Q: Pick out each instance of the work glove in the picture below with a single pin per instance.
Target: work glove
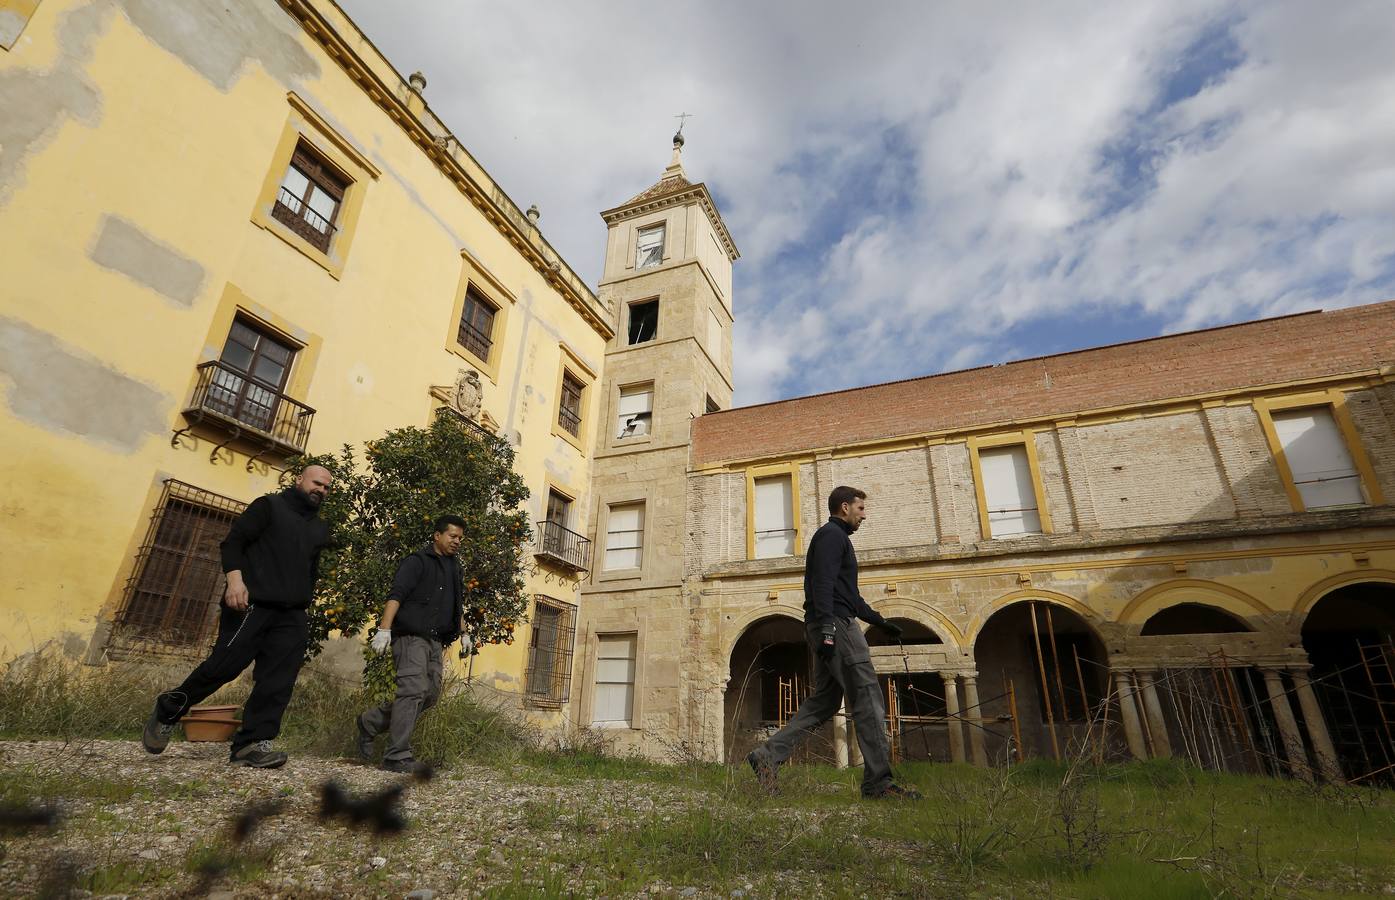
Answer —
(893, 629)
(826, 646)
(466, 645)
(382, 640)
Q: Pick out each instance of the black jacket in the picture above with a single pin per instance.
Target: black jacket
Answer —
(276, 544)
(428, 587)
(830, 578)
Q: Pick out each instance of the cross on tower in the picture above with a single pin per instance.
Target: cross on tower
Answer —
(682, 120)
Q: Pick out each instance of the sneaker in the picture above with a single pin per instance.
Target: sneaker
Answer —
(895, 792)
(363, 742)
(156, 736)
(759, 759)
(404, 766)
(258, 756)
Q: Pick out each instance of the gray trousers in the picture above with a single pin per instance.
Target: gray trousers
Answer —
(418, 661)
(849, 675)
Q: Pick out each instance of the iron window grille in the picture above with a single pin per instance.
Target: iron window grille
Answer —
(548, 678)
(170, 603)
(476, 332)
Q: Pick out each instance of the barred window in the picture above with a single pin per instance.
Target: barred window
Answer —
(170, 606)
(549, 675)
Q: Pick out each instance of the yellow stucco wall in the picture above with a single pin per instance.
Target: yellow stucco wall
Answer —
(134, 157)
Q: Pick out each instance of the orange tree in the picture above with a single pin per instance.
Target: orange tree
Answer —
(381, 508)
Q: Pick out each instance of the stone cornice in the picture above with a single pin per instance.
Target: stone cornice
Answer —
(696, 192)
(445, 150)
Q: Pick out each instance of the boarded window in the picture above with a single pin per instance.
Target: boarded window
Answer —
(774, 522)
(636, 411)
(644, 321)
(171, 600)
(1008, 491)
(569, 410)
(615, 679)
(649, 247)
(1318, 458)
(714, 335)
(549, 675)
(310, 196)
(624, 536)
(476, 332)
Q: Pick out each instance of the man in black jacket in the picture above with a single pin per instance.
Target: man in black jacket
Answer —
(842, 661)
(424, 615)
(271, 558)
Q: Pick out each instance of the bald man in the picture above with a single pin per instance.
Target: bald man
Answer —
(271, 558)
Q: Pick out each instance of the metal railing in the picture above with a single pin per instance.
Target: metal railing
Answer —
(300, 218)
(563, 545)
(474, 340)
(237, 402)
(569, 419)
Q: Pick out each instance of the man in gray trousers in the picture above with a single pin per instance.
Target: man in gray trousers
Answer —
(842, 661)
(423, 616)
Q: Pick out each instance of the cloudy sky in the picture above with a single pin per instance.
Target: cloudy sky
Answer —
(931, 186)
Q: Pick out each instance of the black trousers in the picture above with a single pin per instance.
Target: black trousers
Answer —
(274, 640)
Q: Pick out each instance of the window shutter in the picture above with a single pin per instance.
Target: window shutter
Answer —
(636, 409)
(624, 543)
(774, 517)
(615, 679)
(1318, 458)
(1008, 491)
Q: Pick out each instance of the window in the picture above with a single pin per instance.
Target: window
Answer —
(615, 680)
(248, 382)
(649, 247)
(171, 599)
(310, 196)
(559, 508)
(1317, 457)
(1008, 492)
(624, 537)
(644, 321)
(476, 332)
(774, 520)
(569, 409)
(548, 678)
(636, 411)
(712, 405)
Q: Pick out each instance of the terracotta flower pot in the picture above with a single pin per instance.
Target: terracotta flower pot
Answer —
(211, 712)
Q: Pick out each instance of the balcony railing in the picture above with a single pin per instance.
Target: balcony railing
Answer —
(562, 546)
(293, 212)
(231, 400)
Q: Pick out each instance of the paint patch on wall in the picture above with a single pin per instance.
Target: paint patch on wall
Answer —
(60, 388)
(218, 38)
(124, 248)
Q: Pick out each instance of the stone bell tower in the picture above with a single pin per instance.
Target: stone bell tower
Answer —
(667, 276)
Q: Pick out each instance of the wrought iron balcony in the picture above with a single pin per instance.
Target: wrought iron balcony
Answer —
(562, 546)
(235, 402)
(293, 212)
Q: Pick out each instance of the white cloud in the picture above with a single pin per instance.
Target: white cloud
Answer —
(907, 183)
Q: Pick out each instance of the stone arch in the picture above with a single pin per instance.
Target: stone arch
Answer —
(1190, 590)
(924, 614)
(1190, 617)
(734, 630)
(1309, 598)
(769, 669)
(1091, 617)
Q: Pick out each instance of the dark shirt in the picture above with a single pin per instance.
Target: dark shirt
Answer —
(276, 544)
(428, 588)
(830, 578)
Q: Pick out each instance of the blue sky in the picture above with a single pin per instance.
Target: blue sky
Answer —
(918, 187)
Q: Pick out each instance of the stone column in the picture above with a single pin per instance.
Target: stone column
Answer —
(956, 727)
(973, 712)
(1128, 714)
(1328, 766)
(1288, 726)
(840, 738)
(1152, 708)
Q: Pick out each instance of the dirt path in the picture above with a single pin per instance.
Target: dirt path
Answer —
(139, 825)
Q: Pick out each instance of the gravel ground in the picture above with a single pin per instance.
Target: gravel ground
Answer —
(469, 830)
